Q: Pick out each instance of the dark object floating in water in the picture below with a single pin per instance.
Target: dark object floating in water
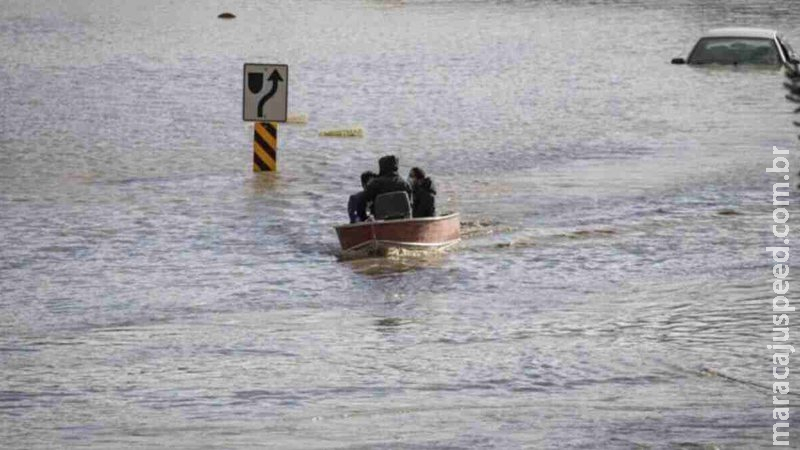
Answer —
(226, 15)
(587, 233)
(728, 212)
(389, 322)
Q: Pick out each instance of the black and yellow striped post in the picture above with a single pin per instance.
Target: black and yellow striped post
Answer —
(265, 147)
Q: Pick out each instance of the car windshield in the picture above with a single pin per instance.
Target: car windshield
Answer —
(733, 50)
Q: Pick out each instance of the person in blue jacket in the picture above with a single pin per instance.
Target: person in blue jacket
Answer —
(356, 205)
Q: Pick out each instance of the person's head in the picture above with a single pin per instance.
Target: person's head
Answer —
(388, 164)
(366, 177)
(416, 175)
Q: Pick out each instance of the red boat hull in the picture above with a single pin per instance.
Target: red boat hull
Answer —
(426, 232)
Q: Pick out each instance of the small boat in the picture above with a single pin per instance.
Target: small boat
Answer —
(425, 233)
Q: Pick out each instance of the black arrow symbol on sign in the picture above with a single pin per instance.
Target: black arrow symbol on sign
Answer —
(275, 78)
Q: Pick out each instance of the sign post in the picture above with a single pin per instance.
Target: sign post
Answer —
(265, 100)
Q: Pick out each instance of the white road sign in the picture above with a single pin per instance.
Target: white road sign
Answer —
(266, 89)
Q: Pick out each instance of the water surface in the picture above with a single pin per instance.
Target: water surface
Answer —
(156, 293)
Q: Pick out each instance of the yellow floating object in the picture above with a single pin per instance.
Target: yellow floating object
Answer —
(297, 119)
(346, 132)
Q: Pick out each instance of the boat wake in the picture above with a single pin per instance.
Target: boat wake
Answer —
(393, 252)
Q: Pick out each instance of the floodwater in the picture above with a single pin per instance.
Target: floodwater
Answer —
(611, 291)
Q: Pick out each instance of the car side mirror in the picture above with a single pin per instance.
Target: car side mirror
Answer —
(678, 61)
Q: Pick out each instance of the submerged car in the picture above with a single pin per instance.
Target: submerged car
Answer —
(734, 46)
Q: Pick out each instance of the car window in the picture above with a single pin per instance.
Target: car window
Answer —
(733, 50)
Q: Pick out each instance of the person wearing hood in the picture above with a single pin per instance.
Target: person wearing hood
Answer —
(356, 206)
(388, 180)
(423, 194)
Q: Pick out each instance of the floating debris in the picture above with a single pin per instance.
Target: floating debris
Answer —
(709, 372)
(226, 15)
(517, 244)
(605, 231)
(346, 132)
(391, 322)
(587, 233)
(298, 119)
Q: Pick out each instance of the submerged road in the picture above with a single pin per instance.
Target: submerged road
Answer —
(611, 291)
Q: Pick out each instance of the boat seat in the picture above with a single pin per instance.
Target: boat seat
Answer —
(392, 205)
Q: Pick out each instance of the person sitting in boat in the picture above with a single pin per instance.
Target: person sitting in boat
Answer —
(423, 193)
(356, 207)
(388, 180)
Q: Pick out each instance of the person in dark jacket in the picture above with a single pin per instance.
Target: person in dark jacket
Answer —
(356, 206)
(423, 194)
(388, 180)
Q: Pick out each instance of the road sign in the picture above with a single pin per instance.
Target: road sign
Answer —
(266, 90)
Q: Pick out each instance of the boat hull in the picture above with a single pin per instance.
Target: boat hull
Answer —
(421, 233)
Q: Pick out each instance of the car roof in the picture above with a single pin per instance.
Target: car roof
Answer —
(742, 32)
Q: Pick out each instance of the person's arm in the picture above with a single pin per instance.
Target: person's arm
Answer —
(352, 208)
(361, 207)
(408, 188)
(432, 208)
